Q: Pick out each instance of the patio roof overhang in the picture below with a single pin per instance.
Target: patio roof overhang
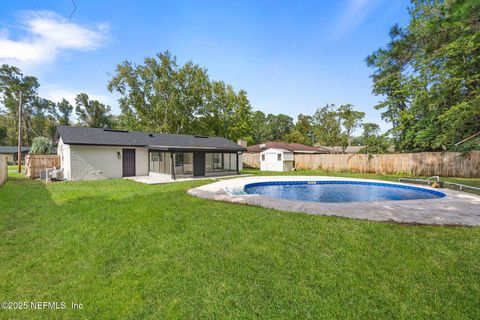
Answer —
(186, 149)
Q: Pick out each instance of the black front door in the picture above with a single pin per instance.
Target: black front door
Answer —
(128, 162)
(198, 164)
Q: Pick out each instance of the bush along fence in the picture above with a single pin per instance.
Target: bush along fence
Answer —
(35, 163)
(446, 164)
(3, 169)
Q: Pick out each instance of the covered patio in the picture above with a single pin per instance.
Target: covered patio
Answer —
(160, 179)
(181, 163)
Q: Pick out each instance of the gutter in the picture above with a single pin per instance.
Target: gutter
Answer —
(160, 148)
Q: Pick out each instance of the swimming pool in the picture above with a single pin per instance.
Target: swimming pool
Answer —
(445, 207)
(340, 191)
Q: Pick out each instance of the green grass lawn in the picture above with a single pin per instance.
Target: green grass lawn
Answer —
(130, 251)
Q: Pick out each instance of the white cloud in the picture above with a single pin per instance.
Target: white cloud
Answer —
(354, 14)
(45, 35)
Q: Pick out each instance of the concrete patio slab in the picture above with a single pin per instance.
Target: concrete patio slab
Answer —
(158, 179)
(456, 208)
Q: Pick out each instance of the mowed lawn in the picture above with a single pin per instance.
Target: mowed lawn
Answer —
(128, 250)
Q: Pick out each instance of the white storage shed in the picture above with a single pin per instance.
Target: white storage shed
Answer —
(276, 160)
(278, 156)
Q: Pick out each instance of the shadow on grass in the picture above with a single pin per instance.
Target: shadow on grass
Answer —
(22, 201)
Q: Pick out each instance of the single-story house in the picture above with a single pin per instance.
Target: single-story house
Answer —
(280, 156)
(96, 153)
(12, 153)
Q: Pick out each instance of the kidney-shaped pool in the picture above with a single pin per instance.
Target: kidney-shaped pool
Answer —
(339, 191)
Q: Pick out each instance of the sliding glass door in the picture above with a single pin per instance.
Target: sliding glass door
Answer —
(160, 162)
(184, 163)
(219, 162)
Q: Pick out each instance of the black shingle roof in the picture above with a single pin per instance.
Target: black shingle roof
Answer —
(10, 149)
(161, 141)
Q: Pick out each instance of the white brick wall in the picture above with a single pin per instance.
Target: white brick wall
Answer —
(101, 162)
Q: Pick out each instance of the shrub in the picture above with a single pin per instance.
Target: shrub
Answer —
(41, 145)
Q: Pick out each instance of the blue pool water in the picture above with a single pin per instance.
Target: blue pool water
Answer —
(340, 191)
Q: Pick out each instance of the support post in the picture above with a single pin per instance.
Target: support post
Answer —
(19, 150)
(172, 160)
(238, 167)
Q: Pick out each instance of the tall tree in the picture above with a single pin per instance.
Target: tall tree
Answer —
(159, 95)
(35, 109)
(62, 112)
(92, 113)
(350, 120)
(279, 125)
(373, 140)
(226, 113)
(3, 129)
(162, 96)
(327, 126)
(260, 129)
(428, 75)
(302, 131)
(241, 127)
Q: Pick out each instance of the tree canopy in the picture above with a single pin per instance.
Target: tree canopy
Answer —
(92, 113)
(429, 75)
(40, 116)
(159, 95)
(36, 115)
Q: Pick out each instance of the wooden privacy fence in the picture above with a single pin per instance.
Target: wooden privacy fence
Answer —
(3, 169)
(35, 163)
(251, 160)
(447, 164)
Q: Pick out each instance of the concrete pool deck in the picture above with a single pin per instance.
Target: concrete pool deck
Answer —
(456, 208)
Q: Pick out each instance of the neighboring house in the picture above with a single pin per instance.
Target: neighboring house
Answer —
(280, 156)
(94, 153)
(336, 150)
(12, 153)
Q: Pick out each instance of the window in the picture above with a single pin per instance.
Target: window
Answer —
(279, 157)
(263, 157)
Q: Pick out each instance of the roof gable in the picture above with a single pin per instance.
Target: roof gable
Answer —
(294, 147)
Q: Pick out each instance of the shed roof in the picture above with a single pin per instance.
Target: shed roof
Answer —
(160, 141)
(294, 147)
(349, 149)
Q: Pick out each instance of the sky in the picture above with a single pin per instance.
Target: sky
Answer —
(290, 56)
